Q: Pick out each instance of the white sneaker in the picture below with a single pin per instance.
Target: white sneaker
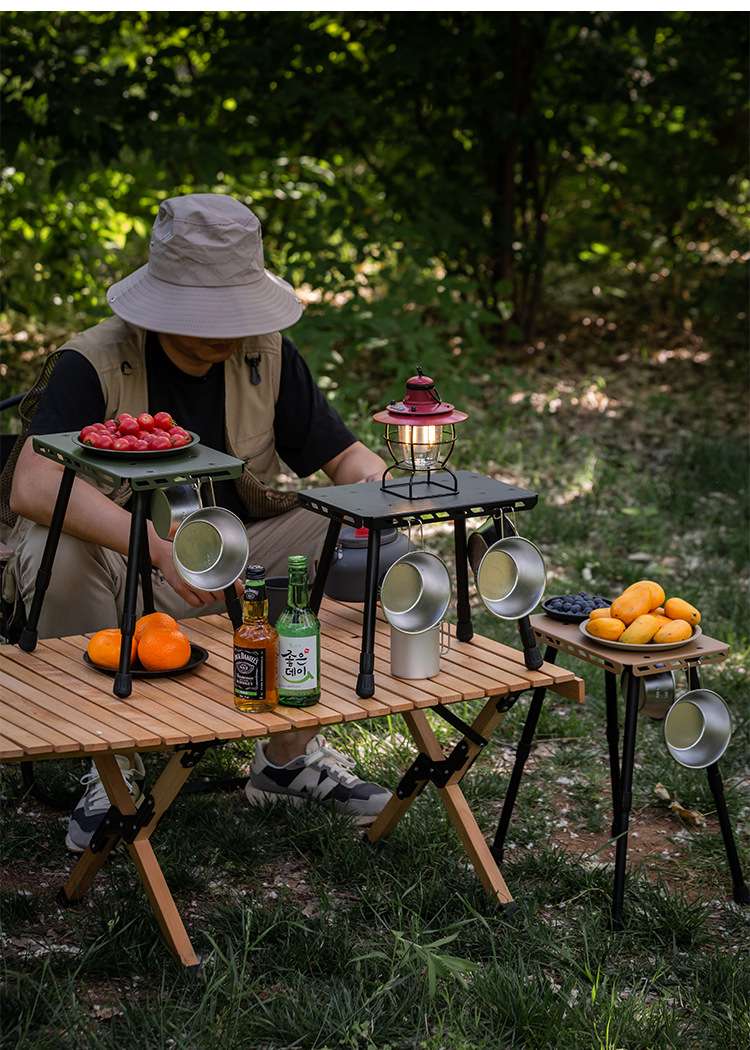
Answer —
(94, 804)
(322, 774)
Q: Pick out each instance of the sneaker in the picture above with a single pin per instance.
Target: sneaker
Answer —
(94, 804)
(322, 774)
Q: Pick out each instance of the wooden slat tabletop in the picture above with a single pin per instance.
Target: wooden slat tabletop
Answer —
(53, 705)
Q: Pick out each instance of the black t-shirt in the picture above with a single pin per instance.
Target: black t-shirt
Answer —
(308, 431)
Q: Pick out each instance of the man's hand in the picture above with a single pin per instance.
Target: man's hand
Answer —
(161, 559)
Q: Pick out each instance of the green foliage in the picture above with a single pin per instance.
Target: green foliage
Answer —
(422, 177)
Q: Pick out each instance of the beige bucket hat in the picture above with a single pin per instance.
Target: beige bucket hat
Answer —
(205, 275)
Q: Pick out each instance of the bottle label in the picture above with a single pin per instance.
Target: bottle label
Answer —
(298, 663)
(250, 673)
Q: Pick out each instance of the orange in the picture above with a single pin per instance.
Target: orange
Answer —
(104, 648)
(163, 649)
(155, 619)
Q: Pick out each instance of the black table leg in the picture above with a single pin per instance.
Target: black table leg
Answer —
(324, 563)
(740, 890)
(147, 587)
(522, 753)
(366, 677)
(29, 634)
(613, 743)
(626, 798)
(464, 628)
(123, 682)
(234, 605)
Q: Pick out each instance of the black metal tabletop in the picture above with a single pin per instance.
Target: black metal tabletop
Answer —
(367, 504)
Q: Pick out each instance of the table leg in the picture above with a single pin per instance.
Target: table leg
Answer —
(366, 677)
(29, 634)
(123, 682)
(522, 754)
(147, 588)
(234, 605)
(740, 890)
(324, 563)
(626, 798)
(165, 790)
(464, 628)
(613, 743)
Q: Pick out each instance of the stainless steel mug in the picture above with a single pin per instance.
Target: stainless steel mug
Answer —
(210, 549)
(416, 592)
(418, 655)
(510, 578)
(170, 507)
(657, 693)
(697, 728)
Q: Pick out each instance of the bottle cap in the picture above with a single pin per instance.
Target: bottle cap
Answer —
(297, 561)
(255, 572)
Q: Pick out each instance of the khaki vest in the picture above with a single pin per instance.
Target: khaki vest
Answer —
(116, 350)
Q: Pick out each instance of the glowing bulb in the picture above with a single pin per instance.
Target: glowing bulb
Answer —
(423, 443)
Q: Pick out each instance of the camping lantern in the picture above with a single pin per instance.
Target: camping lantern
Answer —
(420, 432)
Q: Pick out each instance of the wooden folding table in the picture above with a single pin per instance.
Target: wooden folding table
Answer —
(54, 706)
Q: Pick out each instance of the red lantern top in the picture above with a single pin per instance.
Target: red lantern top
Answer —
(421, 406)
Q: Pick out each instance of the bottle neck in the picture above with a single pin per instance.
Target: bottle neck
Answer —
(299, 591)
(255, 608)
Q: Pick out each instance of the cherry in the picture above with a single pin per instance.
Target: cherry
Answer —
(163, 420)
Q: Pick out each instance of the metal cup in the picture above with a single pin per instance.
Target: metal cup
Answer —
(510, 577)
(417, 655)
(210, 549)
(416, 592)
(698, 728)
(657, 693)
(170, 507)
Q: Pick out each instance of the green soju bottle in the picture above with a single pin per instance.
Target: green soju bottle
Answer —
(299, 641)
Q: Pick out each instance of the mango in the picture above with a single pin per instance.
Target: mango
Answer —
(632, 603)
(675, 631)
(641, 630)
(679, 609)
(606, 627)
(657, 591)
(661, 618)
(658, 611)
(597, 613)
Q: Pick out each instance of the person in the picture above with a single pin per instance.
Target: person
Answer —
(194, 332)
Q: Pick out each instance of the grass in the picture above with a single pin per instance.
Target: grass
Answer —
(317, 942)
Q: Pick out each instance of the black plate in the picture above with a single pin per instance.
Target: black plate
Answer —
(563, 617)
(147, 454)
(198, 656)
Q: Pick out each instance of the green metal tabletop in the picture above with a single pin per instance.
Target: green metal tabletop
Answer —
(147, 472)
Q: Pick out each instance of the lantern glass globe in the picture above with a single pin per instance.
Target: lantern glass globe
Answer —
(420, 445)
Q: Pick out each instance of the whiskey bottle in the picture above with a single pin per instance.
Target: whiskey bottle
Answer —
(299, 641)
(256, 649)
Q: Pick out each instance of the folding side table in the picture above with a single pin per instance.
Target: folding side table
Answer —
(366, 504)
(567, 638)
(143, 474)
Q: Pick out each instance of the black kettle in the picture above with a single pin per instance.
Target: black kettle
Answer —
(346, 577)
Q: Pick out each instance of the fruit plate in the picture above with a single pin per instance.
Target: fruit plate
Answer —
(198, 656)
(647, 647)
(563, 617)
(146, 454)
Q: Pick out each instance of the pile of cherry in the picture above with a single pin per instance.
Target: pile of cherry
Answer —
(143, 433)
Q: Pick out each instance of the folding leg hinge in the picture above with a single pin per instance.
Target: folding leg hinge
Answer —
(506, 702)
(438, 772)
(191, 756)
(124, 825)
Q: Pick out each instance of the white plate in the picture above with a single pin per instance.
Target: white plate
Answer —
(647, 647)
